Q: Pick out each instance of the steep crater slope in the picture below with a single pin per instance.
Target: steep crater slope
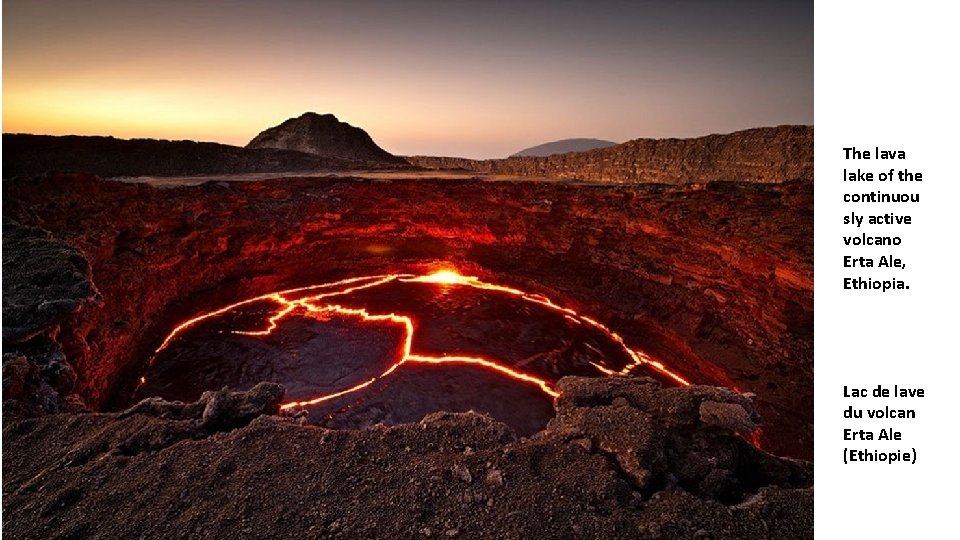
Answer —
(715, 280)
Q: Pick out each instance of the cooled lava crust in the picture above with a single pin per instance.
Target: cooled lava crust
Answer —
(713, 280)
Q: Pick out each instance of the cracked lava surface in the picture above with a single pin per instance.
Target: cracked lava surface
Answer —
(392, 348)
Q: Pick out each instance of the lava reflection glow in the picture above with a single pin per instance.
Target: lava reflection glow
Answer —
(326, 300)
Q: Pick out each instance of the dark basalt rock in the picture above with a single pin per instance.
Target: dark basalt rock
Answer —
(45, 280)
(17, 375)
(25, 392)
(731, 416)
(220, 410)
(659, 437)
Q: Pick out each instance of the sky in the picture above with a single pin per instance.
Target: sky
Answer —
(471, 79)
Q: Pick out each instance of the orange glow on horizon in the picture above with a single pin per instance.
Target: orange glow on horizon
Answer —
(467, 79)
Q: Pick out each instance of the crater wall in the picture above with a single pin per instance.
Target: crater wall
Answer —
(713, 279)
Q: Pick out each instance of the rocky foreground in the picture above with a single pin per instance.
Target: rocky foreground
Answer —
(624, 458)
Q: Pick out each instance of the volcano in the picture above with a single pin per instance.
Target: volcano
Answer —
(615, 355)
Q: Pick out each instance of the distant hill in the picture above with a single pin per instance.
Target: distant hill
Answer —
(311, 142)
(33, 155)
(564, 146)
(323, 135)
(764, 155)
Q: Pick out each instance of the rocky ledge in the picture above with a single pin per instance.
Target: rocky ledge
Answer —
(763, 155)
(624, 458)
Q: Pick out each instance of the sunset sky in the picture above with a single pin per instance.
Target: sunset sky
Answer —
(473, 79)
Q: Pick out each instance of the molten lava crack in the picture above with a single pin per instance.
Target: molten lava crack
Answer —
(309, 302)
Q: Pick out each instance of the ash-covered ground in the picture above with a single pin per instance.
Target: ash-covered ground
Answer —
(624, 458)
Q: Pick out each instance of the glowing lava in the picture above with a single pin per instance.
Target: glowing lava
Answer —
(444, 277)
(313, 301)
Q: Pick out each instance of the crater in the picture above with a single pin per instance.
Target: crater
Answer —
(393, 348)
(496, 290)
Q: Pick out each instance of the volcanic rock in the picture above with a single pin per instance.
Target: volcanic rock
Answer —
(17, 372)
(462, 472)
(25, 392)
(221, 410)
(226, 410)
(310, 142)
(45, 280)
(34, 155)
(323, 135)
(731, 416)
(70, 475)
(715, 280)
(626, 418)
(763, 155)
(494, 478)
